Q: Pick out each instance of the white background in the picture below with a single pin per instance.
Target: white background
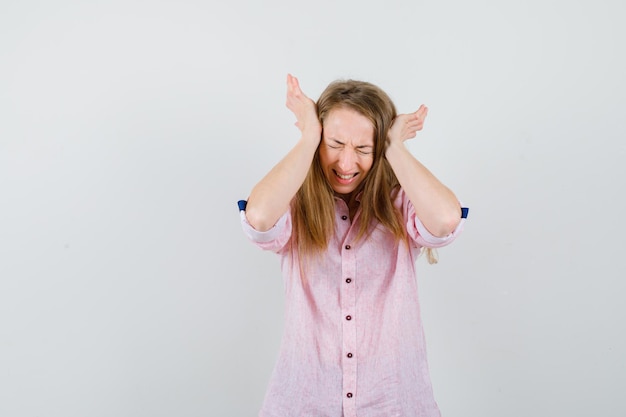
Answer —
(129, 129)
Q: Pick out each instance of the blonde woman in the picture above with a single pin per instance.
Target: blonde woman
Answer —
(348, 211)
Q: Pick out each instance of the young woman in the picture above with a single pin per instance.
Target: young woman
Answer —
(348, 210)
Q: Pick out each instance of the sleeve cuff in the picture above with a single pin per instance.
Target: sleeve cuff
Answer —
(263, 237)
(427, 239)
(434, 241)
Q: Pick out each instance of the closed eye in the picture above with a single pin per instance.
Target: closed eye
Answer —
(335, 144)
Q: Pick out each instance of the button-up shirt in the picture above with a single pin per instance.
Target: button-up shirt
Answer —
(353, 343)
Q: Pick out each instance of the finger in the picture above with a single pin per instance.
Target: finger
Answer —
(423, 111)
(403, 119)
(413, 123)
(295, 85)
(289, 84)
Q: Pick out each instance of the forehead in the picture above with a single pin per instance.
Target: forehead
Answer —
(345, 124)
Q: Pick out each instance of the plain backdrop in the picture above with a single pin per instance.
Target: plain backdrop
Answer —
(129, 129)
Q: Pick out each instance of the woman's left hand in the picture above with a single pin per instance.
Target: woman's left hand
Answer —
(405, 126)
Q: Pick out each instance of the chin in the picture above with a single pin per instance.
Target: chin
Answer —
(344, 190)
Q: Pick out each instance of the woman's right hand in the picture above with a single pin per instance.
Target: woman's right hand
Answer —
(303, 108)
(271, 197)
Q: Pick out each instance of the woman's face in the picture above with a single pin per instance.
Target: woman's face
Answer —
(347, 149)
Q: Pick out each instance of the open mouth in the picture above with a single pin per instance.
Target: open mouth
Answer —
(345, 178)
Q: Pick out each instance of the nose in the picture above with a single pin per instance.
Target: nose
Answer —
(346, 160)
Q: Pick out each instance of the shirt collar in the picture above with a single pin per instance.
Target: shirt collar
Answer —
(357, 198)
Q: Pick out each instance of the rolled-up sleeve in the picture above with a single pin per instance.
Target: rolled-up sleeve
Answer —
(418, 232)
(273, 239)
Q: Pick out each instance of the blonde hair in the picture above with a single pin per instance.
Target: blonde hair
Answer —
(313, 207)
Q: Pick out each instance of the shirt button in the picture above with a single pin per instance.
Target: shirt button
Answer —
(348, 247)
(344, 217)
(349, 355)
(348, 317)
(349, 395)
(348, 280)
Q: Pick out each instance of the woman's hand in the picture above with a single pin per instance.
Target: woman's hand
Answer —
(435, 205)
(405, 126)
(271, 197)
(303, 108)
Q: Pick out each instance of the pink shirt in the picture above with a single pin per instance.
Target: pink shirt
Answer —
(353, 343)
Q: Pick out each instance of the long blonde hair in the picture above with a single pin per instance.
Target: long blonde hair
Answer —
(313, 207)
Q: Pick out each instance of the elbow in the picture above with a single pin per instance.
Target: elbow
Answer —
(447, 224)
(257, 220)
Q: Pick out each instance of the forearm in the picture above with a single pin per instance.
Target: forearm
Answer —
(271, 197)
(435, 204)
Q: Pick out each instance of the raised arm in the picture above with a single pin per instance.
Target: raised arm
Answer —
(435, 205)
(270, 198)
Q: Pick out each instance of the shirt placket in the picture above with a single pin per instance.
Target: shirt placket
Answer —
(349, 323)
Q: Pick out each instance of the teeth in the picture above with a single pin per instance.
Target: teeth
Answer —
(345, 177)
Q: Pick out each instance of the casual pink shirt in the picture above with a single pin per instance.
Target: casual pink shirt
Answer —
(353, 343)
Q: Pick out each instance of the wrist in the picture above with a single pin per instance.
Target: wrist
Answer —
(394, 145)
(311, 137)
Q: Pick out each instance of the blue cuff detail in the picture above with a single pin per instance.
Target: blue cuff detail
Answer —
(242, 204)
(464, 212)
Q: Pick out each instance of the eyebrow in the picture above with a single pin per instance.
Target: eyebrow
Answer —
(342, 143)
